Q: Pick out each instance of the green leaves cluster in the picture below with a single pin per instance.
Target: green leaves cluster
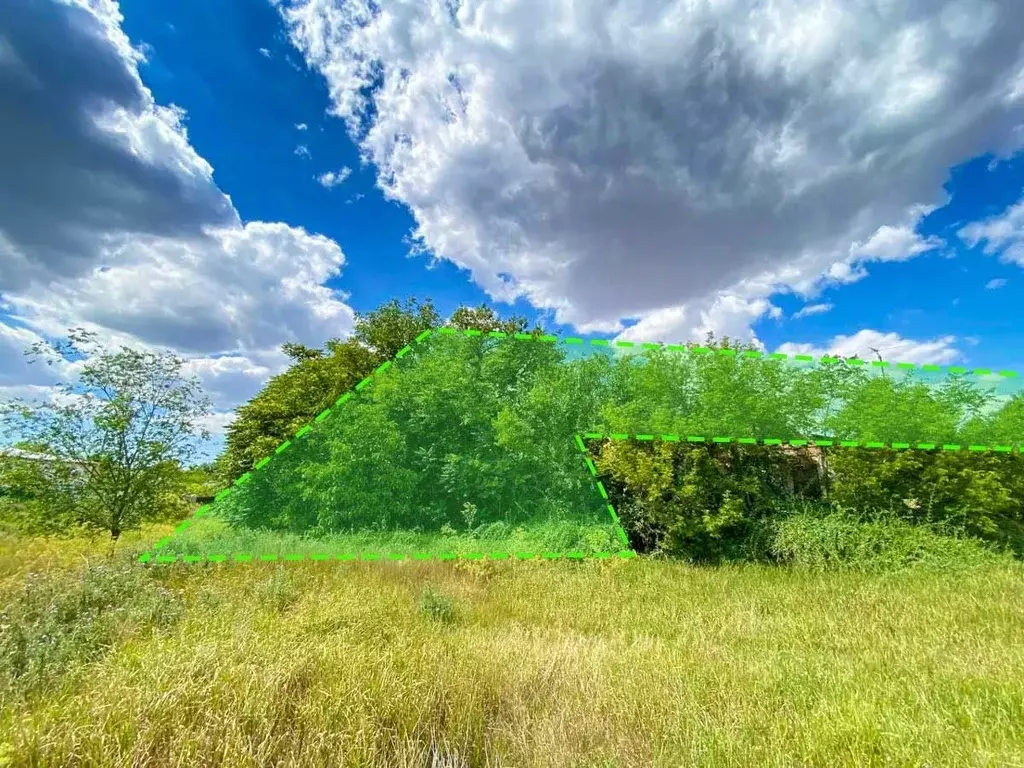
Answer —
(452, 430)
(486, 425)
(109, 449)
(704, 502)
(317, 377)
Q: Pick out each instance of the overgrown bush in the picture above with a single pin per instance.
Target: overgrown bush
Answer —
(429, 442)
(437, 606)
(980, 493)
(58, 622)
(702, 503)
(843, 538)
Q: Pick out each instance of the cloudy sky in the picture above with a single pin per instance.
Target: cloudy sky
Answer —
(219, 178)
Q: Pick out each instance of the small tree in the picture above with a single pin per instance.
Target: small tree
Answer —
(117, 436)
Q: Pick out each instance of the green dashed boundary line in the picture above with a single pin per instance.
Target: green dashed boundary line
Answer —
(1014, 447)
(154, 553)
(248, 557)
(619, 530)
(697, 349)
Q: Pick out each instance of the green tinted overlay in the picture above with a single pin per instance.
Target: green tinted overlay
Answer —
(472, 445)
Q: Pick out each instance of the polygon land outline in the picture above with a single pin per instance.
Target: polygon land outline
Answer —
(154, 553)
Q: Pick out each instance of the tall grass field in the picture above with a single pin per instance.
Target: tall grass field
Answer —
(642, 662)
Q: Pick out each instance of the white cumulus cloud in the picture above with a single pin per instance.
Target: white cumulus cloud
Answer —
(111, 221)
(663, 160)
(1002, 234)
(811, 309)
(726, 315)
(891, 346)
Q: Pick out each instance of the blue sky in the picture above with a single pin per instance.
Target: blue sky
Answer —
(243, 109)
(944, 292)
(570, 176)
(245, 88)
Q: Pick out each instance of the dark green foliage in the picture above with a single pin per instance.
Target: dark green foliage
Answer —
(445, 440)
(318, 376)
(981, 494)
(316, 379)
(700, 502)
(363, 472)
(712, 503)
(290, 400)
(478, 432)
(711, 394)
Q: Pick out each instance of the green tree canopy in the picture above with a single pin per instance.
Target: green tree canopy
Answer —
(317, 377)
(115, 438)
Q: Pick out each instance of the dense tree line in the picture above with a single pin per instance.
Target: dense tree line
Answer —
(464, 429)
(318, 376)
(486, 426)
(474, 432)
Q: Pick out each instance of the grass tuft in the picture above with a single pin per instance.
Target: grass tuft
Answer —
(438, 607)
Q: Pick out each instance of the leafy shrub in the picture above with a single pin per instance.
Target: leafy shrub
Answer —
(980, 493)
(58, 622)
(841, 538)
(438, 607)
(433, 443)
(701, 503)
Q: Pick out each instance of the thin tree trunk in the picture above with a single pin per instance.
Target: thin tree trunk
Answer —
(115, 534)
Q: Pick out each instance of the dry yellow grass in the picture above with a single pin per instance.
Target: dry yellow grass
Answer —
(21, 555)
(621, 663)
